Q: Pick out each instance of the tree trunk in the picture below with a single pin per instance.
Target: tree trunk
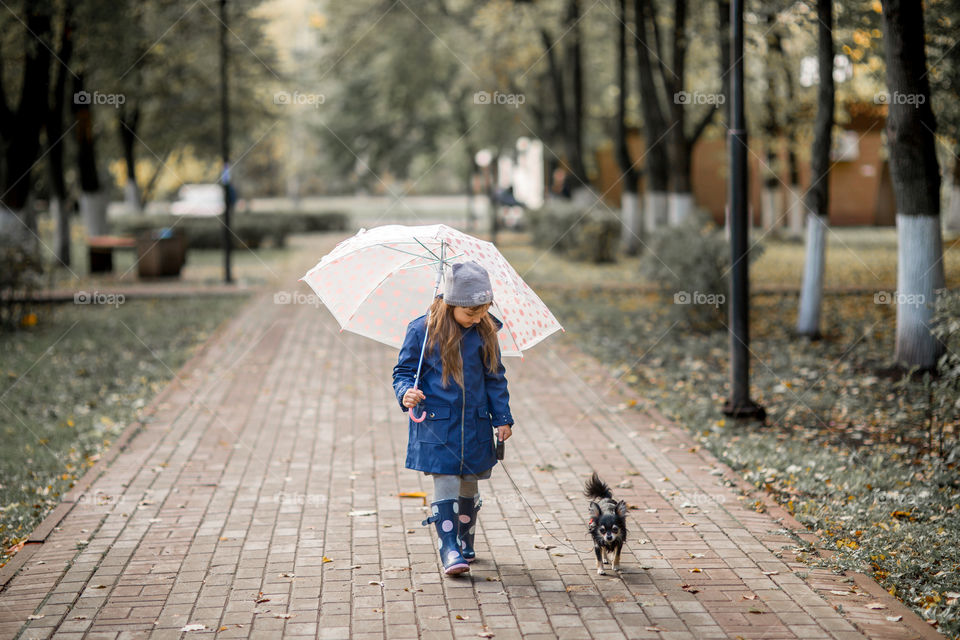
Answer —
(680, 143)
(656, 163)
(952, 223)
(93, 210)
(574, 132)
(794, 198)
(630, 231)
(59, 203)
(20, 130)
(129, 119)
(769, 211)
(915, 173)
(818, 196)
(557, 85)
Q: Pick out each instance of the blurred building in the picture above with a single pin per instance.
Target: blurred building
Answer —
(861, 192)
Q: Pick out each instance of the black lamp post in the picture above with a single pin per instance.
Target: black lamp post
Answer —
(225, 145)
(739, 404)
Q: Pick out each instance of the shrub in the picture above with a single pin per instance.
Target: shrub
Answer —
(21, 276)
(249, 229)
(579, 232)
(946, 385)
(689, 263)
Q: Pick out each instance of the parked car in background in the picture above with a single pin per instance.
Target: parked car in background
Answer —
(204, 199)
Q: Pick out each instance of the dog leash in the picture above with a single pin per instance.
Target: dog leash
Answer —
(539, 520)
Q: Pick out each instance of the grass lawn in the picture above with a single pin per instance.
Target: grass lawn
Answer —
(843, 448)
(73, 382)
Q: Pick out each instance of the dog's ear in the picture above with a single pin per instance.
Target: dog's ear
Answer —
(594, 510)
(622, 509)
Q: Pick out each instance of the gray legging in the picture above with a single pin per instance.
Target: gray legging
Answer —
(446, 487)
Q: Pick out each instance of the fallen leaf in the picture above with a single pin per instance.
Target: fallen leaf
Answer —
(875, 605)
(689, 589)
(376, 582)
(894, 618)
(578, 587)
(544, 546)
(771, 573)
(362, 513)
(749, 596)
(285, 616)
(696, 570)
(326, 559)
(193, 627)
(460, 617)
(486, 633)
(35, 617)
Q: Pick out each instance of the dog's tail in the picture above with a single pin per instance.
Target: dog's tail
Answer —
(596, 488)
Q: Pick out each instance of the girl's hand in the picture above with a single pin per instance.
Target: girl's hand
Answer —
(412, 398)
(504, 432)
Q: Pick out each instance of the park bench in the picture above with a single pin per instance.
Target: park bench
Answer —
(101, 248)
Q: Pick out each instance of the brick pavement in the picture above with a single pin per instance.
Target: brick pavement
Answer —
(229, 507)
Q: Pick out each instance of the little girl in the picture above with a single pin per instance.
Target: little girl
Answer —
(463, 393)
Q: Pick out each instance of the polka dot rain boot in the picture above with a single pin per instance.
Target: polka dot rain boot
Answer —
(468, 525)
(445, 517)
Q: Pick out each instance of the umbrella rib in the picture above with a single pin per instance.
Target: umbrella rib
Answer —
(429, 249)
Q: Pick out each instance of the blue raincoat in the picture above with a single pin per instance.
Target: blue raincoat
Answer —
(457, 435)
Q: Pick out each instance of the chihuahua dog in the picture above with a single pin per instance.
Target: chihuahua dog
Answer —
(608, 524)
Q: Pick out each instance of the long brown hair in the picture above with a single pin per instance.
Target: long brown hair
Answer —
(444, 333)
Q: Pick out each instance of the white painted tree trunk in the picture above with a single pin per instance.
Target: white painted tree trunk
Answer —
(631, 219)
(811, 293)
(93, 212)
(131, 197)
(795, 210)
(654, 210)
(952, 221)
(61, 221)
(919, 275)
(769, 213)
(679, 208)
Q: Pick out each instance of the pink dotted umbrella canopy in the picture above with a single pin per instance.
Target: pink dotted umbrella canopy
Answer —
(377, 281)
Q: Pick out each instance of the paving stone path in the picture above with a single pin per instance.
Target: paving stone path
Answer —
(229, 506)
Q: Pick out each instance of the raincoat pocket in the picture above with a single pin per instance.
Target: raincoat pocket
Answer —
(484, 426)
(434, 429)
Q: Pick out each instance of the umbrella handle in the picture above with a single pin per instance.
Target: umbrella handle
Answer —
(422, 417)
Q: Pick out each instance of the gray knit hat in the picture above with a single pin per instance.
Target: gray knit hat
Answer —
(467, 285)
